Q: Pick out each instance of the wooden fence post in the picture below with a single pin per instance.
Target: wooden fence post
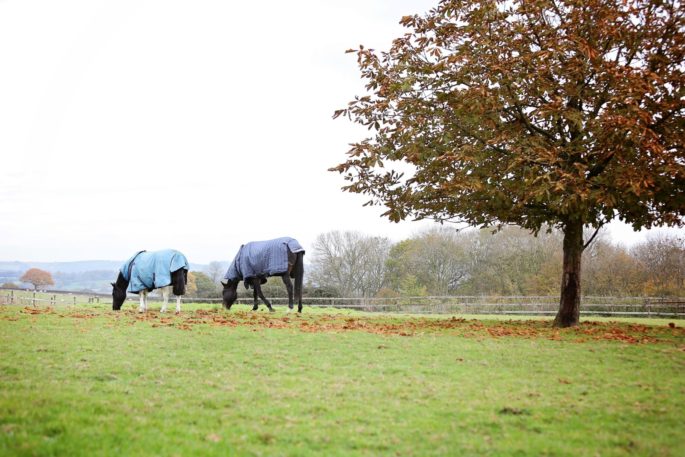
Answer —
(34, 298)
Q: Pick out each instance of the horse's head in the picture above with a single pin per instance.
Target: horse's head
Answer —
(230, 293)
(119, 292)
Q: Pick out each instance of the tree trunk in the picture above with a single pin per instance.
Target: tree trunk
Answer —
(569, 305)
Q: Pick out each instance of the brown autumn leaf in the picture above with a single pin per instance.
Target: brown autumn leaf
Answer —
(213, 437)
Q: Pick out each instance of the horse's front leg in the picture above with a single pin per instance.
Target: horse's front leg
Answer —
(258, 291)
(255, 284)
(165, 298)
(289, 286)
(143, 302)
(178, 304)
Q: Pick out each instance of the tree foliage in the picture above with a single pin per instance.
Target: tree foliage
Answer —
(202, 285)
(528, 113)
(37, 277)
(191, 285)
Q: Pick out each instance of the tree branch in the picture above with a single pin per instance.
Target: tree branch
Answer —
(601, 224)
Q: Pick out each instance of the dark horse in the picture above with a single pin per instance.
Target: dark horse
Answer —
(166, 270)
(258, 260)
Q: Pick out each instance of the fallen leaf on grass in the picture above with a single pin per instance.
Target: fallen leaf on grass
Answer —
(213, 437)
(514, 411)
(81, 316)
(266, 438)
(47, 310)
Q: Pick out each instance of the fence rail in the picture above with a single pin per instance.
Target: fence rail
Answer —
(673, 307)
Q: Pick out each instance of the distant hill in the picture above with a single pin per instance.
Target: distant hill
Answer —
(90, 275)
(65, 267)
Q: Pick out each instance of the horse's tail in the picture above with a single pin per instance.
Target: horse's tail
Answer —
(298, 274)
(179, 279)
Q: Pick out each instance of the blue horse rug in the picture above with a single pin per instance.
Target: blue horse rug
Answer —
(259, 259)
(152, 270)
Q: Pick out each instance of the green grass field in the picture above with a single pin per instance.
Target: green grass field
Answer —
(87, 381)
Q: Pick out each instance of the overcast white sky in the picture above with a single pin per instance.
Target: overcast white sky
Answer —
(196, 125)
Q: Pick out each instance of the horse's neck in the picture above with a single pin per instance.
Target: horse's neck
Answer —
(121, 282)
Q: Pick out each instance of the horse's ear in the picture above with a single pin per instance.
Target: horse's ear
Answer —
(113, 285)
(222, 283)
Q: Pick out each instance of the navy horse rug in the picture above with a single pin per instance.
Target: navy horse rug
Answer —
(260, 259)
(152, 270)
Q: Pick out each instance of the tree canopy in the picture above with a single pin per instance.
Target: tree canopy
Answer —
(527, 112)
(535, 113)
(37, 277)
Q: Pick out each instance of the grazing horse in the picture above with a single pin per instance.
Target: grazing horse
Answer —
(258, 260)
(166, 270)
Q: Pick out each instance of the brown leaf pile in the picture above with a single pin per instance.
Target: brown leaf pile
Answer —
(385, 325)
(30, 310)
(388, 325)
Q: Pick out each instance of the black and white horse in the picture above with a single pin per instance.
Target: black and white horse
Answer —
(257, 260)
(165, 270)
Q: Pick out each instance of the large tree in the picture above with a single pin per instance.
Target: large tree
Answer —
(535, 113)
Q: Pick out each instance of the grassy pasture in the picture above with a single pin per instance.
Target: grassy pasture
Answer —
(88, 381)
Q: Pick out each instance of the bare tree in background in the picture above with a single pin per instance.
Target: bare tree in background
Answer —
(663, 258)
(350, 262)
(215, 270)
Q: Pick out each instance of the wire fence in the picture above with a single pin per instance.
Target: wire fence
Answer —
(512, 305)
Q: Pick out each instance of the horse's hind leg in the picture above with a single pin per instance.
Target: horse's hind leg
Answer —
(178, 304)
(298, 274)
(289, 286)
